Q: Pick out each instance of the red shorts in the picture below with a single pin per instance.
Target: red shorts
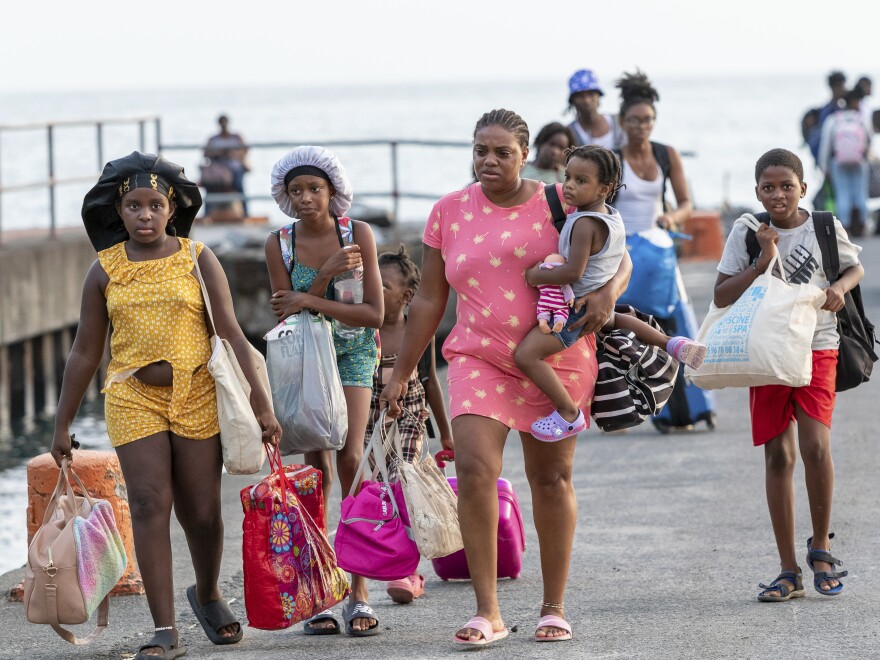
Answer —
(773, 406)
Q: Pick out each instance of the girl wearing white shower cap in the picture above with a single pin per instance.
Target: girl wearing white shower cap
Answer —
(304, 258)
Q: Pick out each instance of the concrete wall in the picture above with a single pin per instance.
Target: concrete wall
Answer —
(41, 285)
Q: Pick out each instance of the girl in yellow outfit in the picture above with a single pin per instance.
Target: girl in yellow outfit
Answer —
(160, 400)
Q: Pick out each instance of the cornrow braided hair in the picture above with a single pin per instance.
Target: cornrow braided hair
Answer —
(509, 121)
(412, 276)
(606, 162)
(635, 88)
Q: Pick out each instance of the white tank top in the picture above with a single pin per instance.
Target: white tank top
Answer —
(641, 202)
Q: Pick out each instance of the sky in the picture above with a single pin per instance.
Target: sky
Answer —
(103, 45)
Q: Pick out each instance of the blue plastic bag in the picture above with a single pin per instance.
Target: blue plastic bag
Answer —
(652, 288)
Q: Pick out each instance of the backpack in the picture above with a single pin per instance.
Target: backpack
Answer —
(661, 155)
(849, 139)
(855, 355)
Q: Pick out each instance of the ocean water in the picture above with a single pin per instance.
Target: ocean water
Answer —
(726, 122)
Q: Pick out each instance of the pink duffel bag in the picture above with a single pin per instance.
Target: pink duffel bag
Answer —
(511, 534)
(374, 537)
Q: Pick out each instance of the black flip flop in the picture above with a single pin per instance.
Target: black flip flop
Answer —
(359, 610)
(163, 639)
(326, 615)
(213, 616)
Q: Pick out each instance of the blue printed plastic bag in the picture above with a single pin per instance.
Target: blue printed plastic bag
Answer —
(652, 287)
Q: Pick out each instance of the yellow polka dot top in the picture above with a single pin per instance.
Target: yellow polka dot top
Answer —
(156, 313)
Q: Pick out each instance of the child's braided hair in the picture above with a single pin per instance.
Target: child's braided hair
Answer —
(411, 273)
(606, 162)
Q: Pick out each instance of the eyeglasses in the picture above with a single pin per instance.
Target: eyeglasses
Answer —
(636, 121)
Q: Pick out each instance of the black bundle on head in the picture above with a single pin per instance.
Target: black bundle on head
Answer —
(607, 164)
(779, 158)
(635, 88)
(411, 273)
(508, 120)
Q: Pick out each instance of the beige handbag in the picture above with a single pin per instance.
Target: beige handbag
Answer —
(74, 561)
(240, 433)
(430, 501)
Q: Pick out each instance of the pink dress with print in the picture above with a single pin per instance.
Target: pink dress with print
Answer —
(486, 250)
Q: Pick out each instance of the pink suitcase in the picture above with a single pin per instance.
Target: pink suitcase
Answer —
(511, 535)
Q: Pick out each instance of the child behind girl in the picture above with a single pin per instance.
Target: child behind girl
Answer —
(161, 402)
(593, 242)
(400, 279)
(304, 259)
(779, 175)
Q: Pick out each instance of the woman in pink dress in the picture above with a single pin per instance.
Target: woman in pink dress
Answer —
(480, 241)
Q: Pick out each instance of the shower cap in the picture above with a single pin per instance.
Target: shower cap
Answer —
(323, 159)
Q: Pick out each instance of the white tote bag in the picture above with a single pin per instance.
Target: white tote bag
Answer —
(764, 338)
(240, 435)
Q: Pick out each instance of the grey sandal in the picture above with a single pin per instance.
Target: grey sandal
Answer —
(359, 610)
(326, 615)
(786, 592)
(213, 616)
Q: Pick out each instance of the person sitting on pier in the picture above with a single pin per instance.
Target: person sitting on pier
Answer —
(160, 405)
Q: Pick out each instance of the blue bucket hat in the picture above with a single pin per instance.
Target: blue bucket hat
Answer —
(584, 81)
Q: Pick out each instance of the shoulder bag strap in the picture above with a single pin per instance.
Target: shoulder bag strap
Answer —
(103, 613)
(195, 259)
(823, 223)
(555, 205)
(753, 248)
(661, 155)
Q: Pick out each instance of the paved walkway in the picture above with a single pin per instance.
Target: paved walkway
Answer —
(673, 538)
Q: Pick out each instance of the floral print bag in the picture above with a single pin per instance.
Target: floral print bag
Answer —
(290, 570)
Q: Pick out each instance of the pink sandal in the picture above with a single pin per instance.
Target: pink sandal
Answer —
(687, 351)
(553, 427)
(551, 621)
(484, 627)
(405, 590)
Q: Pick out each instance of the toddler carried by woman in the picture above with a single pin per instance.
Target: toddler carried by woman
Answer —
(592, 242)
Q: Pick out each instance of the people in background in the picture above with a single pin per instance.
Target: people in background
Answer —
(551, 143)
(591, 126)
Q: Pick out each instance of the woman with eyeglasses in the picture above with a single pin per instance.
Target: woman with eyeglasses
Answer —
(647, 166)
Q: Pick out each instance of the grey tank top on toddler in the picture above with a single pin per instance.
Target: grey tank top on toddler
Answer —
(603, 265)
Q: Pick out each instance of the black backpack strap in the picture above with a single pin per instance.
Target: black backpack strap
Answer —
(661, 155)
(753, 248)
(826, 235)
(555, 205)
(425, 362)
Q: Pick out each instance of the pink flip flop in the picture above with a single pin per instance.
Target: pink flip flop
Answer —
(551, 621)
(553, 427)
(484, 626)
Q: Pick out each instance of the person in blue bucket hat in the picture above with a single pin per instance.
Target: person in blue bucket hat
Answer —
(590, 126)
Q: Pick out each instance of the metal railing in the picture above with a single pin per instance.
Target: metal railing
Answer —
(51, 182)
(394, 145)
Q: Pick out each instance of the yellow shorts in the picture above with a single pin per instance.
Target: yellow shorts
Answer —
(135, 410)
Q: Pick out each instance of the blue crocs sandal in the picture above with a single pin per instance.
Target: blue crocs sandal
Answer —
(553, 427)
(786, 592)
(824, 576)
